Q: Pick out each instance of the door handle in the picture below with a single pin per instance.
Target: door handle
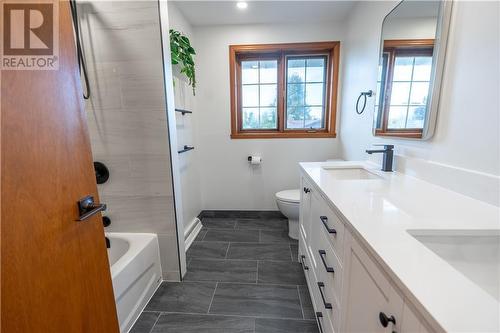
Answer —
(322, 254)
(319, 316)
(88, 208)
(302, 257)
(327, 305)
(324, 219)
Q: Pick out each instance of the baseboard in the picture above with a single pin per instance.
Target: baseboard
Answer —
(192, 232)
(247, 214)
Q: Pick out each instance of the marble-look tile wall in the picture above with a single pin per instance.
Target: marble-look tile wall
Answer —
(127, 119)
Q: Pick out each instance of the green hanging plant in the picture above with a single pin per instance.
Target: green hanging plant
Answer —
(182, 53)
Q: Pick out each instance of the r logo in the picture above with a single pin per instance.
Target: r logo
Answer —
(28, 29)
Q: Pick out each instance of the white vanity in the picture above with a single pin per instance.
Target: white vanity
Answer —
(381, 247)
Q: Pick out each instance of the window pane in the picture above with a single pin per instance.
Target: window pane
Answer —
(295, 94)
(400, 93)
(314, 94)
(295, 117)
(313, 117)
(419, 92)
(416, 117)
(250, 118)
(397, 117)
(250, 95)
(249, 72)
(403, 67)
(269, 71)
(315, 70)
(268, 95)
(296, 69)
(422, 70)
(268, 118)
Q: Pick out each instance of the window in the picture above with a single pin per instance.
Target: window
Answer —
(284, 90)
(404, 80)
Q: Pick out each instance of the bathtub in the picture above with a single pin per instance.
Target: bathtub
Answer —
(136, 273)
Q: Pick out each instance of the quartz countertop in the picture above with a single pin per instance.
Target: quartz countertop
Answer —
(382, 212)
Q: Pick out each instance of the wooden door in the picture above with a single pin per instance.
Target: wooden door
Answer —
(368, 294)
(54, 270)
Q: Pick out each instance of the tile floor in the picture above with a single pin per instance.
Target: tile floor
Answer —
(242, 277)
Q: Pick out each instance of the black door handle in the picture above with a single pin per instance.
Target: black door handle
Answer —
(318, 316)
(302, 257)
(322, 253)
(327, 305)
(324, 219)
(87, 208)
(384, 320)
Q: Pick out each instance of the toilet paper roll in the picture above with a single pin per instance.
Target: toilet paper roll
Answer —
(254, 160)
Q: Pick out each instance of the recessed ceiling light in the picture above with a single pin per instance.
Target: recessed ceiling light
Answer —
(241, 5)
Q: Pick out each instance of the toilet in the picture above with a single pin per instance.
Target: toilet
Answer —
(288, 202)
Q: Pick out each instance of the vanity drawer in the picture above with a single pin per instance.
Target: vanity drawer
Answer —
(305, 260)
(306, 193)
(327, 267)
(324, 218)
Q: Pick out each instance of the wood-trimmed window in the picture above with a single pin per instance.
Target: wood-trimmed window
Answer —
(403, 86)
(284, 90)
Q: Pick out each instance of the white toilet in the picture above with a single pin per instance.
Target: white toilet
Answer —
(288, 203)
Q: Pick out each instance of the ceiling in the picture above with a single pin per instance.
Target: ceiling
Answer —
(260, 12)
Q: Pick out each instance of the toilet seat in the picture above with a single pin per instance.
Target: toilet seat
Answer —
(292, 196)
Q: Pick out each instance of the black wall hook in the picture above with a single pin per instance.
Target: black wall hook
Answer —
(364, 94)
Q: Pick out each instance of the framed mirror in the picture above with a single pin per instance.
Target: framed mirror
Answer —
(412, 52)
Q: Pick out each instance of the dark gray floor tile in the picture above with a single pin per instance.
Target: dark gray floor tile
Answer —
(295, 251)
(259, 251)
(275, 236)
(145, 322)
(268, 224)
(307, 306)
(221, 270)
(184, 323)
(208, 250)
(229, 235)
(193, 297)
(221, 223)
(281, 272)
(265, 325)
(201, 235)
(256, 300)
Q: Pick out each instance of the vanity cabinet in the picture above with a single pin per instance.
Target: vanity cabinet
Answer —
(349, 290)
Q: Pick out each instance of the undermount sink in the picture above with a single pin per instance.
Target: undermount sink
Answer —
(349, 173)
(476, 256)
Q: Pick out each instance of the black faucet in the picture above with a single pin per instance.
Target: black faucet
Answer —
(388, 156)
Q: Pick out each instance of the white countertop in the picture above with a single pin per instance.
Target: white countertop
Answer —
(381, 211)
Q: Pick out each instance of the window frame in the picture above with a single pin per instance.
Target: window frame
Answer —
(280, 52)
(392, 48)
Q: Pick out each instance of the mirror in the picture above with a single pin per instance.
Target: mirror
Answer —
(411, 62)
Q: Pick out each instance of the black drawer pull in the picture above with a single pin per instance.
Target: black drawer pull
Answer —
(384, 320)
(302, 257)
(318, 316)
(324, 219)
(322, 253)
(321, 285)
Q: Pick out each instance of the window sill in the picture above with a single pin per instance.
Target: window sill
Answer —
(283, 135)
(400, 134)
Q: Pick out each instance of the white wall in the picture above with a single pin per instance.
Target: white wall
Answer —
(127, 119)
(410, 28)
(186, 129)
(464, 152)
(227, 180)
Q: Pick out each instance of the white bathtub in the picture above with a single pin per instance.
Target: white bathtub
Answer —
(136, 272)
